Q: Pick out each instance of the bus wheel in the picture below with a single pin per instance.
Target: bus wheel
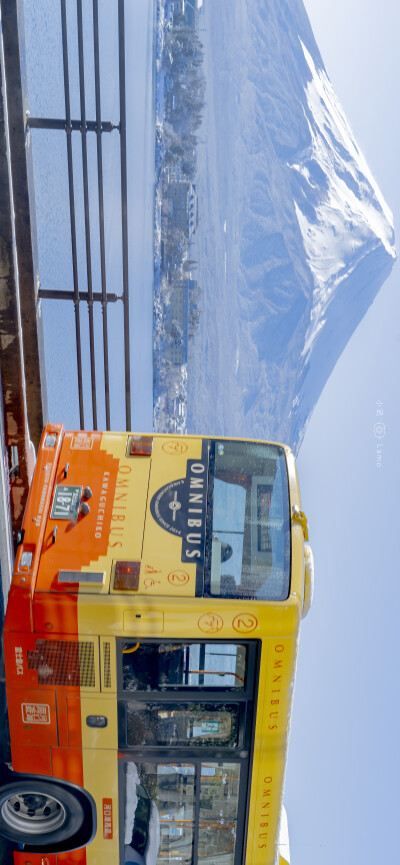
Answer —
(38, 814)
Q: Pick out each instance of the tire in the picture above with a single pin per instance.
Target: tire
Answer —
(38, 813)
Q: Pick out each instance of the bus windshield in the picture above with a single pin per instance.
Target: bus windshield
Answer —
(248, 533)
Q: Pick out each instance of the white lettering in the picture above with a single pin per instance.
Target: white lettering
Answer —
(198, 468)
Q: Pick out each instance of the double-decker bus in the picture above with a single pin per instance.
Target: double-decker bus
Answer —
(150, 646)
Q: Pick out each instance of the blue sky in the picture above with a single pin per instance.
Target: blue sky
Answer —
(46, 98)
(343, 768)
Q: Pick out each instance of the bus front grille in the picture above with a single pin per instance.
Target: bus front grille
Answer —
(63, 662)
(106, 665)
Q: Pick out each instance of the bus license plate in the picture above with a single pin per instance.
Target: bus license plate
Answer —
(66, 503)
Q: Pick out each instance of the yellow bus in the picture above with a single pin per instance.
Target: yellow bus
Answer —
(150, 646)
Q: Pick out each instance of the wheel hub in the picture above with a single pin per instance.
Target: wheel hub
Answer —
(33, 812)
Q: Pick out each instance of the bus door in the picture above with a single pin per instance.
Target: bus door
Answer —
(185, 721)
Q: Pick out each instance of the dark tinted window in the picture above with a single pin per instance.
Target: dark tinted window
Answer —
(176, 665)
(185, 721)
(182, 725)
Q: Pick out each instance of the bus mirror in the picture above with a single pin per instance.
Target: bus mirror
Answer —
(308, 579)
(299, 517)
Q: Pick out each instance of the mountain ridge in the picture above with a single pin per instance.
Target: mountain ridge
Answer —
(294, 239)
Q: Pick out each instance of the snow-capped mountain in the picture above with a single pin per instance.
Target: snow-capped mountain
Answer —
(294, 238)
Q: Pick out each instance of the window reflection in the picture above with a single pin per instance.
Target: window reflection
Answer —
(162, 666)
(248, 541)
(218, 812)
(171, 833)
(172, 788)
(180, 724)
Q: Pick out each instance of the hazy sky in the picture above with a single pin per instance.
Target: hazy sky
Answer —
(342, 779)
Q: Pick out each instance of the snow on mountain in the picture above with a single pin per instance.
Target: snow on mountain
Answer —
(294, 238)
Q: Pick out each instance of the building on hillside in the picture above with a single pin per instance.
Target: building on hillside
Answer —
(182, 12)
(177, 324)
(182, 206)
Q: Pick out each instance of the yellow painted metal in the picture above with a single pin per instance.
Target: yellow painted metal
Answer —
(92, 645)
(108, 662)
(276, 683)
(165, 609)
(100, 737)
(100, 772)
(142, 621)
(189, 617)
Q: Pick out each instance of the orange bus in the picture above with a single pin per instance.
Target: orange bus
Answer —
(150, 646)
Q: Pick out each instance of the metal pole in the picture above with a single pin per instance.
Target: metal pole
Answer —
(75, 125)
(86, 208)
(101, 208)
(124, 208)
(59, 294)
(72, 208)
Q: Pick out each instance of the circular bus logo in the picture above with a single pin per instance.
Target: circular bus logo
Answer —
(174, 447)
(210, 623)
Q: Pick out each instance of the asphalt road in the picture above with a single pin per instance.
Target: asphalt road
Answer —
(6, 543)
(6, 557)
(6, 564)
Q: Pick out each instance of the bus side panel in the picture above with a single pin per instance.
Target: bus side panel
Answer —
(21, 858)
(19, 607)
(104, 788)
(24, 756)
(33, 716)
(81, 538)
(74, 857)
(277, 672)
(67, 764)
(54, 613)
(40, 672)
(44, 721)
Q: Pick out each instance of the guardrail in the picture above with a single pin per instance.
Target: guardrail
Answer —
(21, 334)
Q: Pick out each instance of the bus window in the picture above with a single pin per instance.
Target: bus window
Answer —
(165, 666)
(195, 806)
(170, 822)
(248, 536)
(219, 799)
(182, 725)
